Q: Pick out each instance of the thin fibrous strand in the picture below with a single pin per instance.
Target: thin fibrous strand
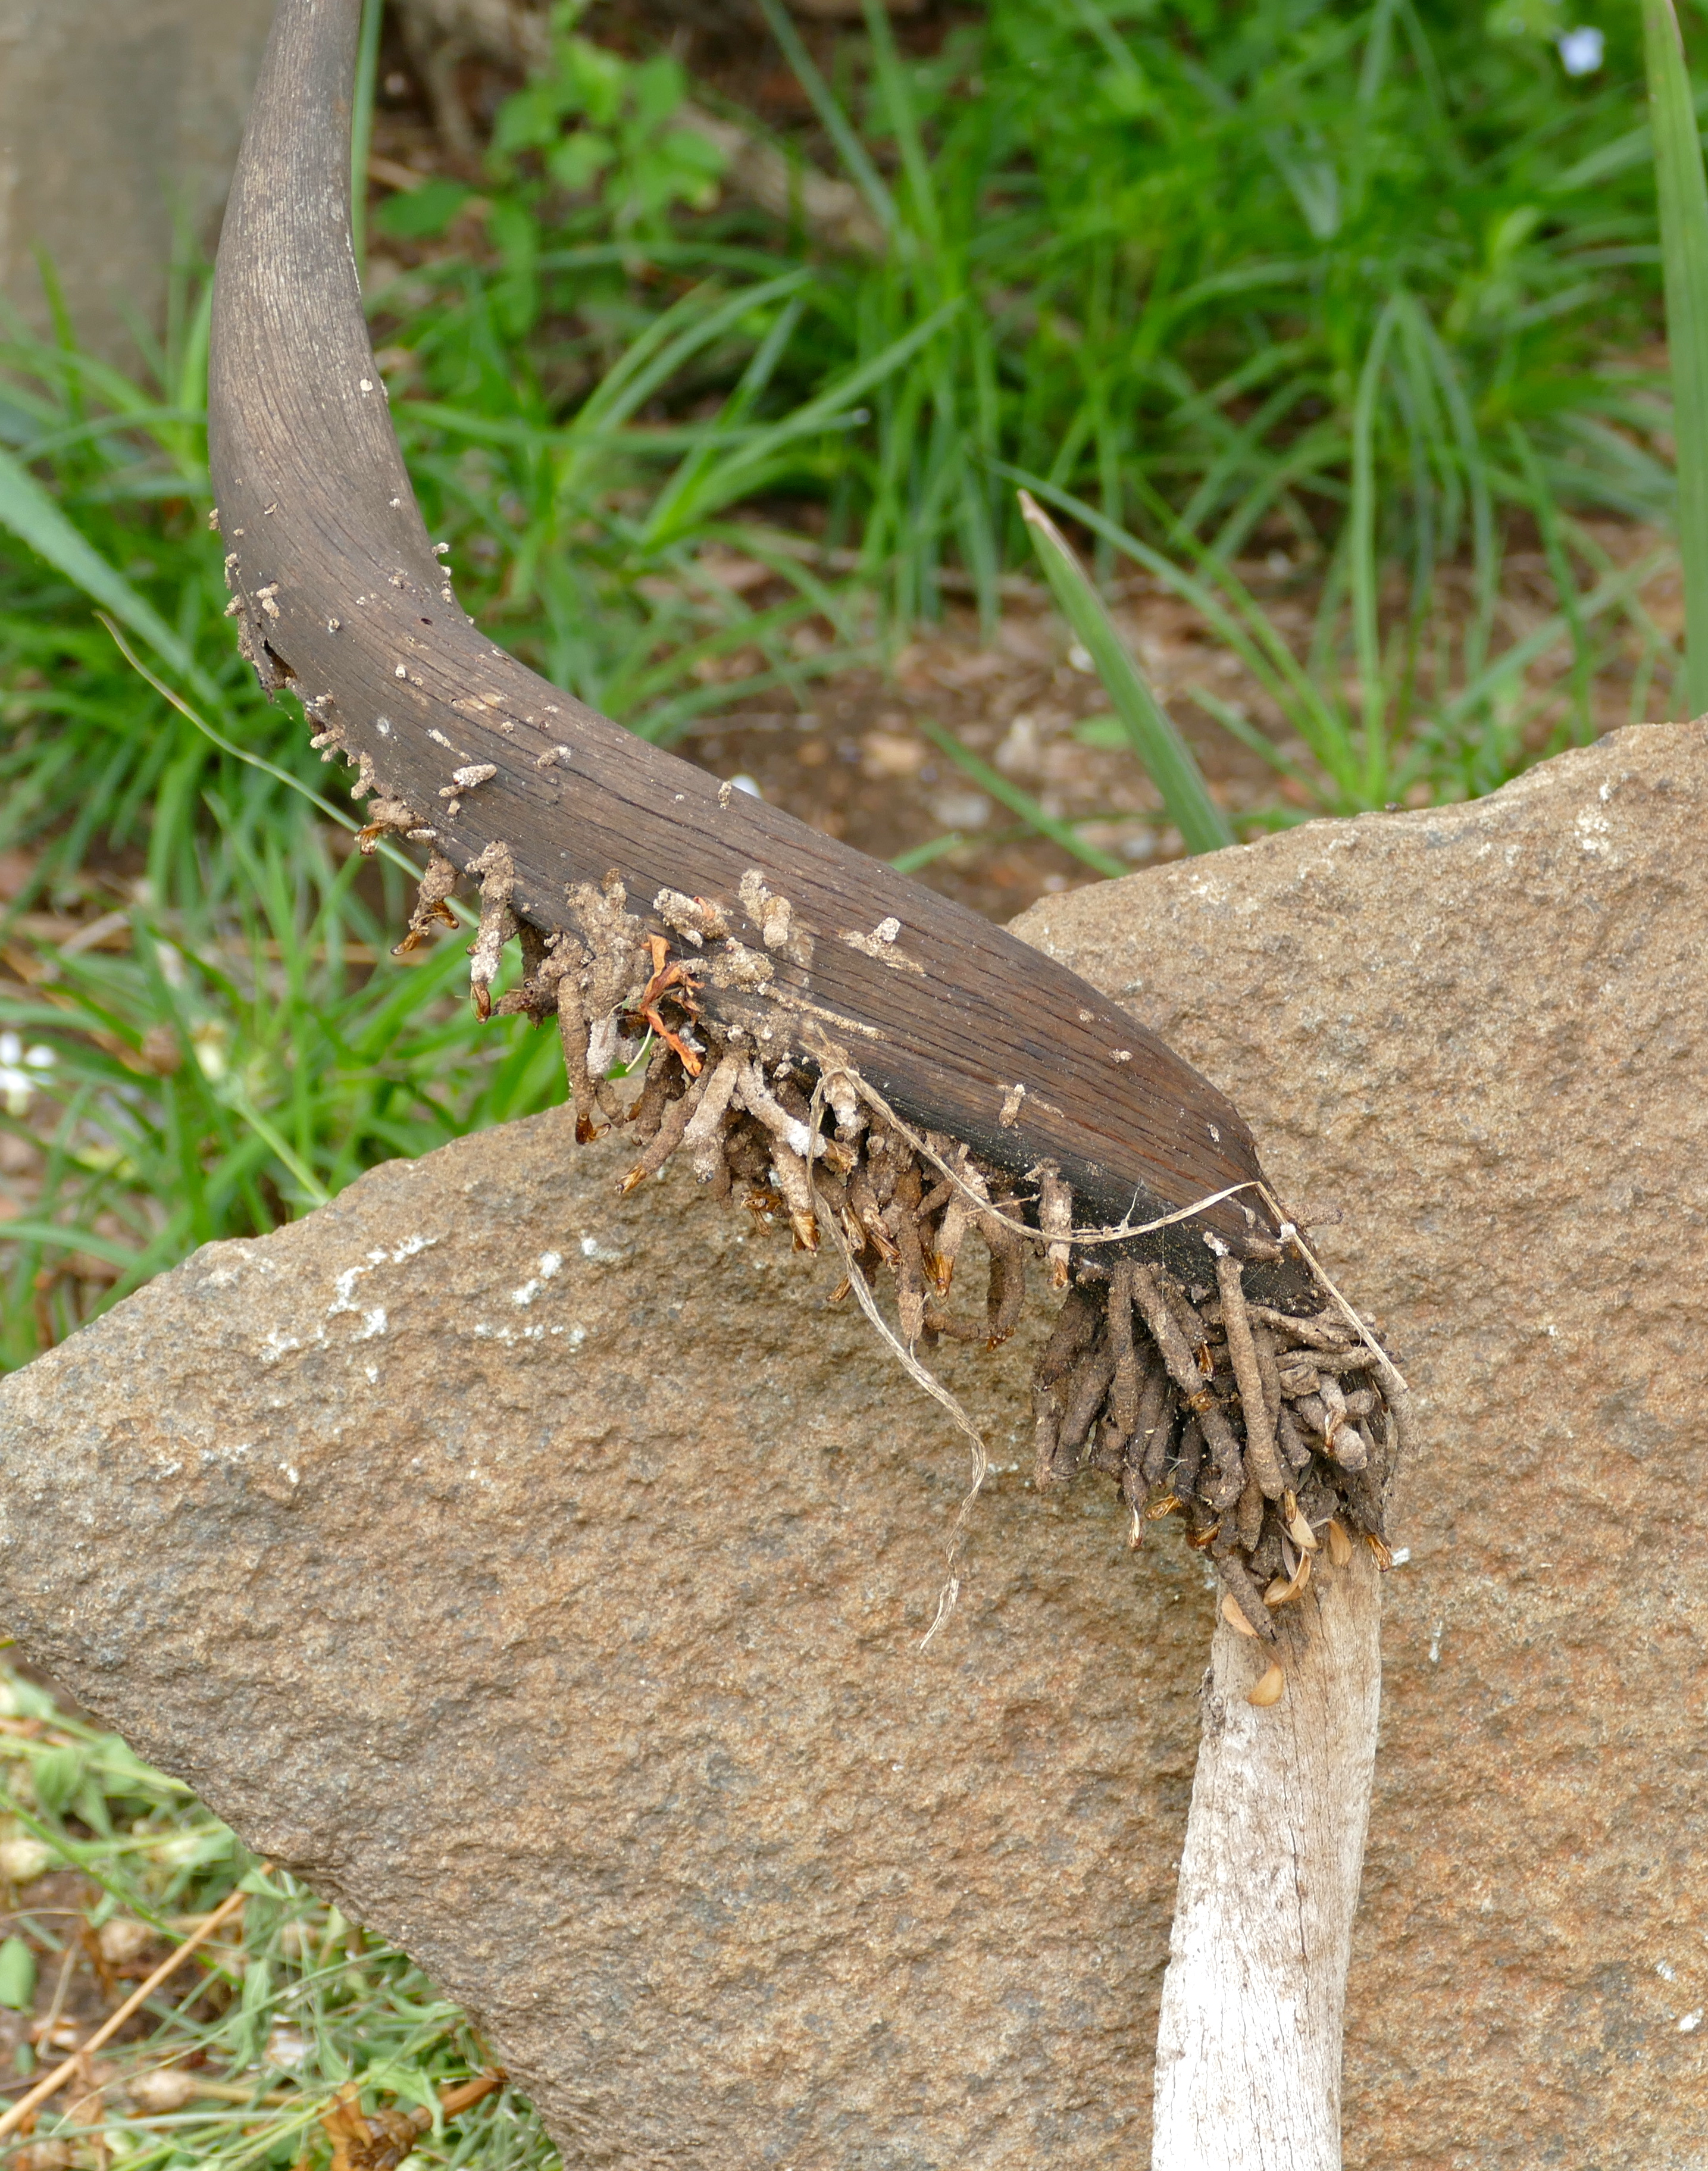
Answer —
(1261, 1458)
(1087, 1386)
(1161, 1307)
(438, 883)
(1153, 1434)
(1046, 1430)
(1125, 1398)
(1294, 1447)
(668, 1136)
(572, 1031)
(1248, 1515)
(1147, 1286)
(703, 1138)
(1055, 1220)
(1323, 1330)
(951, 1234)
(910, 1268)
(1076, 1322)
(663, 1073)
(1247, 1595)
(497, 878)
(1263, 1341)
(1339, 1364)
(1188, 1459)
(1005, 1299)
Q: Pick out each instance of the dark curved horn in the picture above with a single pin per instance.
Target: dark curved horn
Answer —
(344, 602)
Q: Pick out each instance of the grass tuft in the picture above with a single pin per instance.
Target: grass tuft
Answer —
(240, 2058)
(1683, 195)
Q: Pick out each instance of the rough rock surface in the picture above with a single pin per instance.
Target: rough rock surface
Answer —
(545, 1575)
(1481, 1033)
(118, 124)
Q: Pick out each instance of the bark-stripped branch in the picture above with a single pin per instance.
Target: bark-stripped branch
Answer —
(1248, 2060)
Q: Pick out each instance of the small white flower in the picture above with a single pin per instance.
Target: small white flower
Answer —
(22, 1861)
(1580, 51)
(286, 2047)
(17, 1086)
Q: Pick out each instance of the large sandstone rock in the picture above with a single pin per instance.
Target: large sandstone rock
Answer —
(118, 124)
(545, 1575)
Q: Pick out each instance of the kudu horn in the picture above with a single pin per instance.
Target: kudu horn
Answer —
(860, 1050)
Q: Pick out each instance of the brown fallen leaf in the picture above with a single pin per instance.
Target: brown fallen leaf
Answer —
(381, 2143)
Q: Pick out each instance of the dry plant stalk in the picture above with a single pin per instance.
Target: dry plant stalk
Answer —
(830, 1044)
(52, 2082)
(385, 2139)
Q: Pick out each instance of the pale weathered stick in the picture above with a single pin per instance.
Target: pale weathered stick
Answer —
(1248, 2060)
(52, 2083)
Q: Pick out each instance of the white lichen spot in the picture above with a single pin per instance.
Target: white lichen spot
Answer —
(550, 1263)
(410, 1245)
(693, 918)
(880, 944)
(372, 1322)
(1593, 832)
(290, 1473)
(1690, 2021)
(276, 1345)
(774, 918)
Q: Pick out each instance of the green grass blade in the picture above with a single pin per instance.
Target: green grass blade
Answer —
(1684, 204)
(32, 516)
(1165, 753)
(921, 855)
(1018, 802)
(361, 124)
(1364, 559)
(904, 120)
(835, 122)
